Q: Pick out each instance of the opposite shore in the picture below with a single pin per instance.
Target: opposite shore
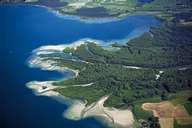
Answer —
(87, 19)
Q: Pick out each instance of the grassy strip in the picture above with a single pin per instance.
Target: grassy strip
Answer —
(176, 125)
(139, 112)
(89, 94)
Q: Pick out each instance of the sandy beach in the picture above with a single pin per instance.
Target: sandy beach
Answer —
(43, 88)
(59, 47)
(38, 62)
(115, 116)
(77, 109)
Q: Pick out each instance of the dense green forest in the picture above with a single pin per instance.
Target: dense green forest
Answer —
(161, 61)
(168, 45)
(165, 48)
(154, 67)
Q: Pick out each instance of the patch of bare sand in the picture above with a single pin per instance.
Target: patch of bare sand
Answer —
(162, 109)
(116, 116)
(79, 110)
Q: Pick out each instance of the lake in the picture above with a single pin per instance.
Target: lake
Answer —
(24, 28)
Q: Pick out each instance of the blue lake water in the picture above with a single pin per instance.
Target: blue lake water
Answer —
(24, 28)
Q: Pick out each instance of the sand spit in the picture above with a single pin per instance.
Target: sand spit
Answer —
(59, 47)
(117, 117)
(75, 110)
(78, 109)
(43, 88)
(50, 65)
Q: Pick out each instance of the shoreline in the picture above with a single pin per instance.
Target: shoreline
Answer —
(78, 110)
(72, 17)
(84, 18)
(44, 88)
(35, 61)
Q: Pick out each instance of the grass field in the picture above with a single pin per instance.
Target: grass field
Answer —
(180, 98)
(176, 125)
(140, 113)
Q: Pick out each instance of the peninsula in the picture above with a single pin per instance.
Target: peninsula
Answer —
(146, 82)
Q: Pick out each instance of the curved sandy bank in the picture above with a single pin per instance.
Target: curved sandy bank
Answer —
(77, 109)
(116, 116)
(43, 88)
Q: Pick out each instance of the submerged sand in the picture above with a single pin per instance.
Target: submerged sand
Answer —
(116, 116)
(78, 109)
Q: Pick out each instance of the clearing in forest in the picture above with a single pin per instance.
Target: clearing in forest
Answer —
(167, 112)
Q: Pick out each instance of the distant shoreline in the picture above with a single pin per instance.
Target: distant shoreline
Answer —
(86, 19)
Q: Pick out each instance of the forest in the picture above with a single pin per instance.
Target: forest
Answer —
(165, 48)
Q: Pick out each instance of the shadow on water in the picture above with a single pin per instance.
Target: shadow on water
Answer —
(24, 28)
